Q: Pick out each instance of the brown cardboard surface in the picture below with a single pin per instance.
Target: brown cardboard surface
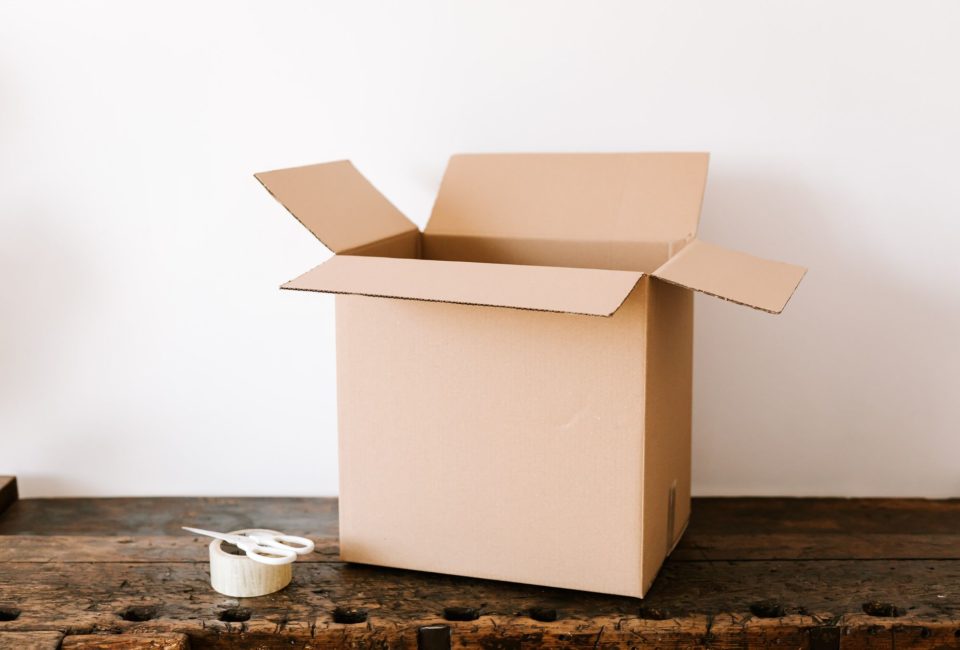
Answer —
(732, 275)
(336, 203)
(493, 443)
(585, 197)
(580, 291)
(667, 425)
(622, 255)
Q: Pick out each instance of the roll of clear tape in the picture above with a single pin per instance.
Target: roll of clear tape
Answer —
(241, 577)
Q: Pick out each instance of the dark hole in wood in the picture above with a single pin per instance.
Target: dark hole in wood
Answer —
(461, 613)
(434, 637)
(349, 615)
(957, 634)
(876, 608)
(654, 613)
(543, 614)
(925, 633)
(138, 613)
(767, 609)
(235, 615)
(9, 613)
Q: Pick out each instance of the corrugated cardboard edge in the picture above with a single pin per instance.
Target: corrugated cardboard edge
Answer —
(699, 266)
(318, 197)
(507, 286)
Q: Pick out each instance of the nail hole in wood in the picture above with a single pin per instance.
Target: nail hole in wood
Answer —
(461, 613)
(235, 615)
(138, 613)
(349, 615)
(654, 613)
(543, 614)
(876, 608)
(9, 613)
(767, 609)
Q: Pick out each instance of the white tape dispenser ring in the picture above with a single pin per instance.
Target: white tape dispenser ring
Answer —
(255, 562)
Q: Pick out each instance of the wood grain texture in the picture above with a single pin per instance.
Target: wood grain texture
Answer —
(30, 640)
(816, 574)
(174, 641)
(166, 515)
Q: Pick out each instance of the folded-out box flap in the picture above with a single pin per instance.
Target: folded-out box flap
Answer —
(731, 275)
(546, 288)
(616, 197)
(337, 204)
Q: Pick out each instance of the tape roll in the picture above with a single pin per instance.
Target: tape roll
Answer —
(241, 577)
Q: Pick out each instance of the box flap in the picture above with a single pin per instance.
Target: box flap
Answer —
(586, 197)
(731, 275)
(337, 204)
(546, 288)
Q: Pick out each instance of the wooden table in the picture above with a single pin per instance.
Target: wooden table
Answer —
(789, 573)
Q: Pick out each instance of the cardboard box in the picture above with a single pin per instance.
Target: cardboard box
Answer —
(514, 382)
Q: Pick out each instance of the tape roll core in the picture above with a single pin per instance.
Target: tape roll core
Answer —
(241, 577)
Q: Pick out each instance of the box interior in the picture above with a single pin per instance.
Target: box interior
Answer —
(511, 230)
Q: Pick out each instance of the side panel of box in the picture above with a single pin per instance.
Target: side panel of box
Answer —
(666, 486)
(494, 443)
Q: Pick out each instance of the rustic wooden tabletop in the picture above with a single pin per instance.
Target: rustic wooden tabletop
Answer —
(750, 572)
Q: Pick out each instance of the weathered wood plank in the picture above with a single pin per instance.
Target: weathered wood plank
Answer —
(733, 604)
(30, 640)
(720, 529)
(749, 573)
(8, 492)
(698, 546)
(154, 548)
(159, 548)
(173, 641)
(313, 517)
(721, 515)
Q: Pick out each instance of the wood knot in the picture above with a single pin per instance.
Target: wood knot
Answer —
(543, 614)
(9, 614)
(767, 609)
(235, 615)
(138, 613)
(877, 608)
(461, 613)
(654, 613)
(349, 615)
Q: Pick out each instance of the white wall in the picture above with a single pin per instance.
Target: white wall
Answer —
(145, 348)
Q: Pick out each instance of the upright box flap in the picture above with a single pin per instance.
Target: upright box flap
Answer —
(586, 197)
(546, 288)
(337, 204)
(731, 275)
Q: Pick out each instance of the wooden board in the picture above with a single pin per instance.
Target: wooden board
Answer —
(787, 573)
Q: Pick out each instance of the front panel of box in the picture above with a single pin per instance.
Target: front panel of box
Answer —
(490, 442)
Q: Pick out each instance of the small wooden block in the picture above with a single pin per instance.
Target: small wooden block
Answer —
(8, 492)
(171, 641)
(30, 640)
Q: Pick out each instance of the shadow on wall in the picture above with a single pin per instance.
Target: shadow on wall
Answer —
(853, 386)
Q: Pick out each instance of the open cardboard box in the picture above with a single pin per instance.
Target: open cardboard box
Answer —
(514, 382)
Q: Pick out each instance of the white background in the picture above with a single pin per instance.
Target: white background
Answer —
(145, 348)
